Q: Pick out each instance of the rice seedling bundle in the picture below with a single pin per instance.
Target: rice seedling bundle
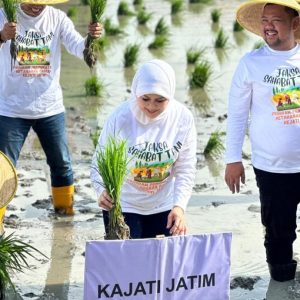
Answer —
(112, 163)
(10, 10)
(13, 255)
(97, 9)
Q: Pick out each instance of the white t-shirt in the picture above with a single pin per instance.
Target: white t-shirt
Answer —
(162, 159)
(266, 84)
(30, 87)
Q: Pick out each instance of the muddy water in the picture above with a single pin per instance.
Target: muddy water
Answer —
(211, 208)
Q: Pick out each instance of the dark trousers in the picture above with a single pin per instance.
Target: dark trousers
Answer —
(144, 226)
(279, 197)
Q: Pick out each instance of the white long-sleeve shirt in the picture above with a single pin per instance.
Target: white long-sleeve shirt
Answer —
(266, 85)
(30, 87)
(162, 159)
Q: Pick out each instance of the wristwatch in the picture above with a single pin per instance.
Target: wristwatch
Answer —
(1, 41)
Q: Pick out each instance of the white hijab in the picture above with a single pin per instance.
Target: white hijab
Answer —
(153, 77)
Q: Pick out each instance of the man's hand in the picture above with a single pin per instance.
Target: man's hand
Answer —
(234, 174)
(95, 30)
(176, 221)
(8, 32)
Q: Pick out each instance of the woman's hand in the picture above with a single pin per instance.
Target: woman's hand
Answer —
(105, 201)
(176, 221)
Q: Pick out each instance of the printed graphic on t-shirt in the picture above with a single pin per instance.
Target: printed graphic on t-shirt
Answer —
(286, 94)
(151, 164)
(33, 54)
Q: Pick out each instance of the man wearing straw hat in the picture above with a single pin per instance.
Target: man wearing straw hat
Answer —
(266, 86)
(30, 92)
(8, 185)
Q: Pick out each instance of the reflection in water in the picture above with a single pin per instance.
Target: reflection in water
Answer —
(215, 27)
(92, 106)
(62, 252)
(176, 20)
(144, 30)
(128, 75)
(283, 290)
(159, 53)
(221, 55)
(214, 167)
(240, 37)
(197, 8)
(200, 100)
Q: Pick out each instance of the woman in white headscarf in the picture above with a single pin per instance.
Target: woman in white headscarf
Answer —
(161, 140)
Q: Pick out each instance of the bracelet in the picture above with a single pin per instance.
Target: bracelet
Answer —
(1, 41)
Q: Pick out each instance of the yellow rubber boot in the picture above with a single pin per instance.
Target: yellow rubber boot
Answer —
(2, 213)
(63, 200)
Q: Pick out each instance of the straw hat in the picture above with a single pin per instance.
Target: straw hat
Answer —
(43, 2)
(248, 14)
(8, 180)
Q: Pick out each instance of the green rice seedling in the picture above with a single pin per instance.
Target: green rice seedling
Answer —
(111, 30)
(193, 55)
(200, 75)
(221, 40)
(13, 258)
(143, 17)
(259, 44)
(94, 86)
(123, 9)
(161, 27)
(95, 136)
(214, 147)
(237, 27)
(72, 12)
(131, 55)
(101, 43)
(112, 161)
(160, 41)
(10, 10)
(137, 2)
(176, 6)
(215, 15)
(97, 8)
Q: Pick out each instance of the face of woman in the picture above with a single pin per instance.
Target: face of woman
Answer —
(152, 105)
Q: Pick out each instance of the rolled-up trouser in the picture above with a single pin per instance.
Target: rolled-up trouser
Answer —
(279, 197)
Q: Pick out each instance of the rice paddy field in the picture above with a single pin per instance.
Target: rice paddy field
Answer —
(90, 96)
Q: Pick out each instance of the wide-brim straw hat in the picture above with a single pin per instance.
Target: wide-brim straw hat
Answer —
(8, 180)
(43, 2)
(249, 14)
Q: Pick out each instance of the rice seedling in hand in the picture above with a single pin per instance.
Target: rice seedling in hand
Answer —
(112, 163)
(237, 27)
(137, 2)
(131, 55)
(193, 55)
(259, 44)
(123, 9)
(160, 41)
(10, 10)
(200, 75)
(161, 27)
(111, 30)
(97, 9)
(215, 15)
(221, 40)
(176, 6)
(94, 87)
(143, 17)
(214, 147)
(13, 258)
